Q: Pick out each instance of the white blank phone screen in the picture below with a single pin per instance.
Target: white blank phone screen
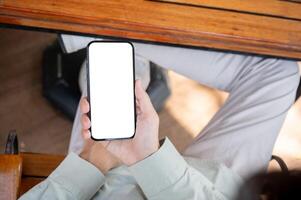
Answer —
(111, 90)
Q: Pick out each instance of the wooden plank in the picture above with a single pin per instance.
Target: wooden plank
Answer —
(40, 165)
(277, 8)
(160, 22)
(10, 175)
(28, 182)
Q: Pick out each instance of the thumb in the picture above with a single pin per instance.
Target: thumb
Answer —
(144, 102)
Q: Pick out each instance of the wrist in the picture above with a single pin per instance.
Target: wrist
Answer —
(100, 158)
(103, 165)
(141, 155)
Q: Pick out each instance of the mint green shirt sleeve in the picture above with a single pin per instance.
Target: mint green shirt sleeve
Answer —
(166, 175)
(75, 178)
(163, 175)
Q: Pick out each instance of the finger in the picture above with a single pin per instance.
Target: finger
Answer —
(84, 105)
(86, 134)
(86, 123)
(143, 99)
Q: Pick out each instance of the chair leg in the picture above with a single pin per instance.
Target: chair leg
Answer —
(281, 163)
(12, 146)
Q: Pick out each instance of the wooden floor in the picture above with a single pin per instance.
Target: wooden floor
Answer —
(41, 128)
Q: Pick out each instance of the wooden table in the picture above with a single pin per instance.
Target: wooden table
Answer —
(270, 27)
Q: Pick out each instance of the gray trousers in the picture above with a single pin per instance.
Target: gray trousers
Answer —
(243, 132)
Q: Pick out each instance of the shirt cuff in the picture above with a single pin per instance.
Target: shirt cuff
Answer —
(160, 170)
(78, 176)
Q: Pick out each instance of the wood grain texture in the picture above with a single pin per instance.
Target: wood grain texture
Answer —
(36, 168)
(39, 165)
(10, 176)
(277, 8)
(28, 182)
(161, 22)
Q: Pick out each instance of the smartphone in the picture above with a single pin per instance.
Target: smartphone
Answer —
(111, 86)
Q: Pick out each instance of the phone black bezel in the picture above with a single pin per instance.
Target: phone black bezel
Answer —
(88, 88)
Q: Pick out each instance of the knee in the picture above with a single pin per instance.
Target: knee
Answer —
(284, 72)
(289, 71)
(277, 77)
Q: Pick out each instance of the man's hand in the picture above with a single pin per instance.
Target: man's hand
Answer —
(95, 153)
(146, 140)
